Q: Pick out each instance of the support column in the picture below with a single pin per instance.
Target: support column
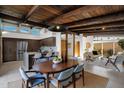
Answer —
(0, 42)
(102, 48)
(58, 42)
(73, 44)
(66, 51)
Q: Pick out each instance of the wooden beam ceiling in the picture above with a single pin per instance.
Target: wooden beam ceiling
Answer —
(25, 18)
(4, 16)
(84, 18)
(98, 20)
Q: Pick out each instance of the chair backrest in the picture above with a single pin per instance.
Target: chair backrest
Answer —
(24, 76)
(65, 74)
(79, 68)
(119, 59)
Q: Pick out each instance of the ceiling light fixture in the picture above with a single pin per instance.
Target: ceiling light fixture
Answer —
(103, 28)
(57, 27)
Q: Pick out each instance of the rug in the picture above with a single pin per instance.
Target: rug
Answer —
(91, 81)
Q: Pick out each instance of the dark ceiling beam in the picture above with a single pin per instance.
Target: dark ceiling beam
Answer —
(119, 16)
(99, 28)
(62, 13)
(103, 33)
(27, 16)
(4, 16)
(95, 28)
(106, 25)
(106, 32)
(99, 31)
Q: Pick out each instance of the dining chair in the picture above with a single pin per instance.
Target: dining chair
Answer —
(115, 60)
(31, 81)
(78, 73)
(64, 79)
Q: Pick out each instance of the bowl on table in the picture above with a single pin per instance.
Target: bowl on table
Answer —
(57, 61)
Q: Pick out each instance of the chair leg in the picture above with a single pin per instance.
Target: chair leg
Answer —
(74, 81)
(83, 77)
(44, 84)
(27, 84)
(58, 84)
(22, 84)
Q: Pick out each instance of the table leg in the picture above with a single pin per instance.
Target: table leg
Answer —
(47, 81)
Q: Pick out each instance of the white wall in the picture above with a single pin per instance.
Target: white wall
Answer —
(90, 40)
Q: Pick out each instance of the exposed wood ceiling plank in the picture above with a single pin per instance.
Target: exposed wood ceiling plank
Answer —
(98, 20)
(86, 13)
(4, 16)
(30, 13)
(62, 13)
(51, 9)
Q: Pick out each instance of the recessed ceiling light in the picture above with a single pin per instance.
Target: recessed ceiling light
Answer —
(58, 27)
(103, 28)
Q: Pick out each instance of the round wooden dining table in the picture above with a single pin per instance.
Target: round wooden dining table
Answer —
(49, 67)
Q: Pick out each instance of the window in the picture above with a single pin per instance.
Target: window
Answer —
(25, 29)
(9, 27)
(35, 31)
